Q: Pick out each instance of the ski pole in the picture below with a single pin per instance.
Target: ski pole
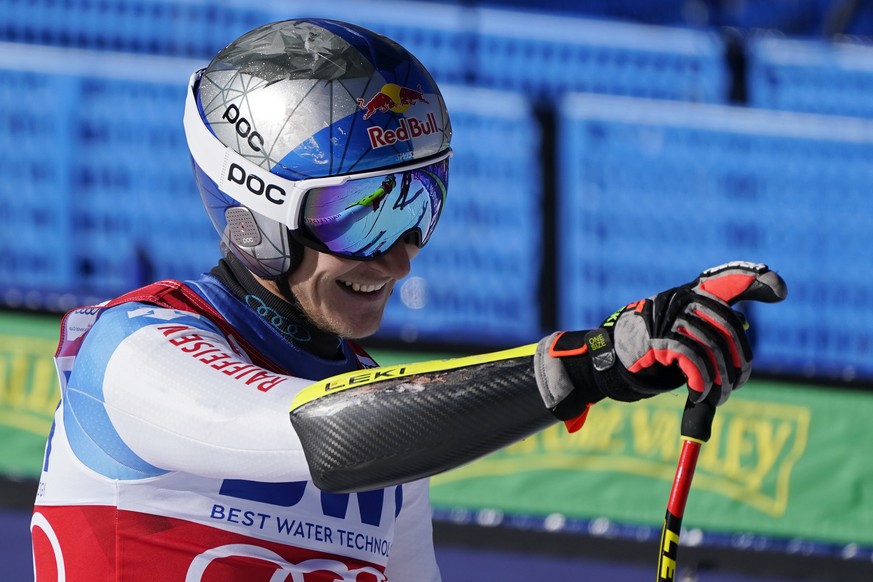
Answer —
(696, 430)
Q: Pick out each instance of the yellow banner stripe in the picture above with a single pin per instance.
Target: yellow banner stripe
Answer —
(359, 378)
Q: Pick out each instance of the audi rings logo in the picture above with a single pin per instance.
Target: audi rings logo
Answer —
(285, 571)
(284, 325)
(87, 311)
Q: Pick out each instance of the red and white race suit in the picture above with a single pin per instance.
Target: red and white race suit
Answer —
(172, 456)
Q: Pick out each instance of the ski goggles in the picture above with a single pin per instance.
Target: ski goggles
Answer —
(356, 215)
(364, 216)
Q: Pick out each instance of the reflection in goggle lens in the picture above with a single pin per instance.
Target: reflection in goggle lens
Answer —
(364, 217)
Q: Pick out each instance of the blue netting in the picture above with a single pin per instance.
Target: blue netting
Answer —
(813, 77)
(96, 173)
(653, 191)
(136, 213)
(197, 28)
(34, 198)
(548, 55)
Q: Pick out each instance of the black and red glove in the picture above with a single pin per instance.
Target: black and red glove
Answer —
(686, 335)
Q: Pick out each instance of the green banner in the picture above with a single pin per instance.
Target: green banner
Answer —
(784, 460)
(29, 390)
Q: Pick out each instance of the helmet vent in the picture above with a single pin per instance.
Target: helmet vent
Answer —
(242, 229)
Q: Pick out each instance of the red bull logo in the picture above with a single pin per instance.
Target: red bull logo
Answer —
(397, 99)
(408, 128)
(393, 98)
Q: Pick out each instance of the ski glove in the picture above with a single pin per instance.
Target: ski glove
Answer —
(686, 335)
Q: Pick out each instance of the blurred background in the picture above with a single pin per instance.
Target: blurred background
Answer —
(604, 150)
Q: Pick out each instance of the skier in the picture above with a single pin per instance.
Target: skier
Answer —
(172, 455)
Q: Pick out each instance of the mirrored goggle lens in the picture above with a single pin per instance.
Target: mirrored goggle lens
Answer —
(364, 217)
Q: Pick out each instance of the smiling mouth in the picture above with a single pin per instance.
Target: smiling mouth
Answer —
(359, 288)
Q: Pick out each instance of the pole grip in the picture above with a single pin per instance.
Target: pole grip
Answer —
(697, 419)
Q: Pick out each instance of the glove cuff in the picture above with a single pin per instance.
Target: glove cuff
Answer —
(565, 374)
(575, 368)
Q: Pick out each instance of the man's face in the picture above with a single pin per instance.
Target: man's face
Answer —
(348, 297)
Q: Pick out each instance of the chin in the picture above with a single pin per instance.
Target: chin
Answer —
(354, 329)
(357, 333)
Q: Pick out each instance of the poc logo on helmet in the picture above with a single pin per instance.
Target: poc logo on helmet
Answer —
(243, 127)
(255, 184)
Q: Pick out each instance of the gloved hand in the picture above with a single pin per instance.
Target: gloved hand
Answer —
(688, 334)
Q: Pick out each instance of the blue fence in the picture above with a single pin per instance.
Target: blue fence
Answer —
(787, 189)
(103, 193)
(97, 196)
(811, 76)
(575, 54)
(201, 27)
(193, 28)
(799, 18)
(34, 201)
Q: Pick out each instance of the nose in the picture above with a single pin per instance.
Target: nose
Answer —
(397, 261)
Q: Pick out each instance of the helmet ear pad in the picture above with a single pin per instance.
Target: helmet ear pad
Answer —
(263, 245)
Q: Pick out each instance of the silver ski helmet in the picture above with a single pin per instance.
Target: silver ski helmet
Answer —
(319, 133)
